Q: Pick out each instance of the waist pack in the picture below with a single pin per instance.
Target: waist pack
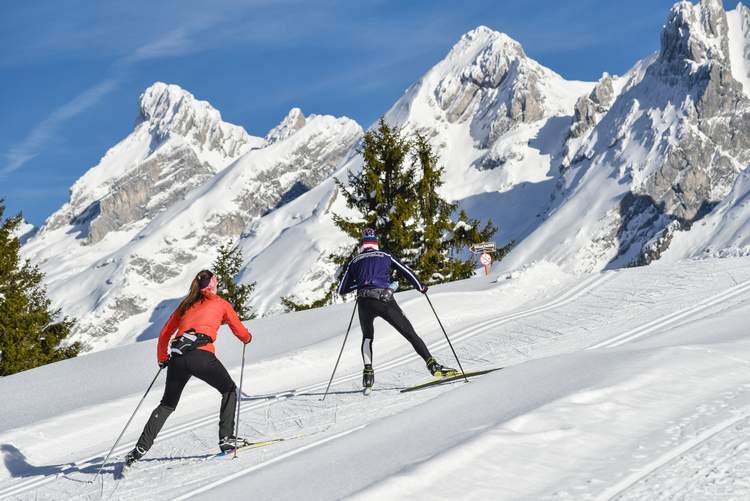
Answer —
(189, 341)
(379, 294)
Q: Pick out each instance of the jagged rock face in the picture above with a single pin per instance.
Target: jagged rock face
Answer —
(313, 162)
(694, 35)
(589, 108)
(712, 140)
(499, 79)
(185, 237)
(147, 190)
(169, 194)
(302, 167)
(293, 122)
(178, 143)
(674, 140)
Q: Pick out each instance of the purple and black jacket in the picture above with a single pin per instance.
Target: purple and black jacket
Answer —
(371, 269)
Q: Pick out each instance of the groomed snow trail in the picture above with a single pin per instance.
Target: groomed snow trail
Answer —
(176, 431)
(561, 318)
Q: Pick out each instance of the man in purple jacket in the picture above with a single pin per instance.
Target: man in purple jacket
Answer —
(369, 274)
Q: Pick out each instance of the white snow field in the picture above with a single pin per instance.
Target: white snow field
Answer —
(627, 384)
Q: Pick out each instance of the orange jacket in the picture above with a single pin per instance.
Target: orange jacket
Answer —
(205, 316)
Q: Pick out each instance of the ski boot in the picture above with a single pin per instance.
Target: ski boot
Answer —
(368, 379)
(133, 456)
(227, 444)
(438, 370)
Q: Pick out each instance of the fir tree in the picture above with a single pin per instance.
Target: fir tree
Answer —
(31, 333)
(226, 268)
(396, 194)
(441, 241)
(383, 191)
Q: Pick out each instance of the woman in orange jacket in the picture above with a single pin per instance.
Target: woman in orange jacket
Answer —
(196, 321)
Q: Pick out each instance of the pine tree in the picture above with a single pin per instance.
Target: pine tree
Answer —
(396, 194)
(440, 241)
(31, 333)
(226, 267)
(383, 191)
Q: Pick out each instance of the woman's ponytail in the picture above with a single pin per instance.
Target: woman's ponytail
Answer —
(194, 295)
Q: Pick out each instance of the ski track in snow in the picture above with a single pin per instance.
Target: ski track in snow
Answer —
(656, 480)
(461, 335)
(645, 481)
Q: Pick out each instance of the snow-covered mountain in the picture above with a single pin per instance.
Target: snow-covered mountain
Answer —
(661, 156)
(153, 211)
(178, 143)
(498, 120)
(588, 175)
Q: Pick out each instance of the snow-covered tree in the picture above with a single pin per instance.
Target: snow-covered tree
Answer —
(383, 191)
(441, 242)
(397, 194)
(31, 332)
(226, 267)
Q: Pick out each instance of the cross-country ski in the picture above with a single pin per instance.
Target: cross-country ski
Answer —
(449, 379)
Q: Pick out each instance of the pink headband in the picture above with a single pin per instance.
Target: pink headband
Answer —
(212, 284)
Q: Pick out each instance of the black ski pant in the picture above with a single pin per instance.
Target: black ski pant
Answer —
(205, 366)
(369, 308)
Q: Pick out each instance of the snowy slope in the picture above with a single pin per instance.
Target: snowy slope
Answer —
(626, 383)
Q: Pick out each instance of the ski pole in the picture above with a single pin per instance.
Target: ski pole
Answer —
(341, 352)
(126, 427)
(239, 400)
(446, 337)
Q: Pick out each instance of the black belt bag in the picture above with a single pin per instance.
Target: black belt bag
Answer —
(379, 294)
(189, 341)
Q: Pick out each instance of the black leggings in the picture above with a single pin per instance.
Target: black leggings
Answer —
(205, 366)
(369, 308)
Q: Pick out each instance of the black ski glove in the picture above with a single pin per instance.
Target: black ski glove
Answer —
(164, 364)
(424, 289)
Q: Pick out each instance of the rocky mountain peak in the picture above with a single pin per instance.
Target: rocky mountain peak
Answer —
(169, 109)
(293, 122)
(590, 107)
(484, 56)
(695, 33)
(488, 70)
(167, 106)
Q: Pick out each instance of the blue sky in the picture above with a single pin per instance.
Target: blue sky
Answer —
(72, 71)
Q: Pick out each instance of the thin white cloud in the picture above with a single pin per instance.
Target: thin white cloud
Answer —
(39, 135)
(173, 43)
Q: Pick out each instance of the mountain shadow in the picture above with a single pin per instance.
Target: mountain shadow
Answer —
(646, 229)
